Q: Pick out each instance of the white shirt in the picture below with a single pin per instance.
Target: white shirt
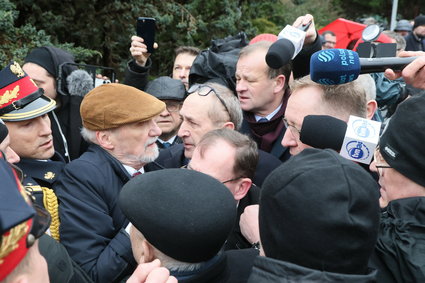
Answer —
(270, 116)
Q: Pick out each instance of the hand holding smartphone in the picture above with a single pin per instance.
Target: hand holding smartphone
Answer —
(146, 29)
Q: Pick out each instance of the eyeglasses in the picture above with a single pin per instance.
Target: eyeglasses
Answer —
(379, 160)
(204, 90)
(294, 130)
(230, 180)
(172, 106)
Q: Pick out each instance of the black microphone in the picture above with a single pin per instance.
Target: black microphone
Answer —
(323, 131)
(80, 82)
(379, 65)
(280, 53)
(339, 66)
(289, 44)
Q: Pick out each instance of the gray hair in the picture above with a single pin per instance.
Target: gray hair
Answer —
(88, 135)
(232, 105)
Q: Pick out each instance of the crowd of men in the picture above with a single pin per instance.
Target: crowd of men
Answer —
(169, 180)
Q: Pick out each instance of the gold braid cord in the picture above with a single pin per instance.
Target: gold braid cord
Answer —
(50, 202)
(9, 242)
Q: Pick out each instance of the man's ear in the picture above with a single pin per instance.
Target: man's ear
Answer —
(103, 138)
(279, 83)
(228, 125)
(244, 185)
(148, 252)
(372, 105)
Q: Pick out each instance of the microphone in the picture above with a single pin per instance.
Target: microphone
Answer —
(79, 83)
(339, 66)
(289, 44)
(360, 140)
(323, 131)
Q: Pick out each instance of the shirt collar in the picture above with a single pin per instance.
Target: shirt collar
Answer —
(131, 170)
(270, 116)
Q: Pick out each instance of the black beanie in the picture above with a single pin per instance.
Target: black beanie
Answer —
(321, 211)
(402, 142)
(3, 131)
(419, 21)
(50, 58)
(185, 214)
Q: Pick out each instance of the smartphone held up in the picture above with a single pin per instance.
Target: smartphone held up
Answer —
(145, 29)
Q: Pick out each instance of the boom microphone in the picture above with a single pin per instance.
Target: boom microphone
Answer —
(323, 131)
(289, 44)
(339, 66)
(79, 83)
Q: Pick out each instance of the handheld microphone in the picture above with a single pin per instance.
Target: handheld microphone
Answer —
(361, 139)
(323, 131)
(79, 83)
(289, 44)
(339, 66)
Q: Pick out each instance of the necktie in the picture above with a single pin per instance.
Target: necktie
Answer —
(166, 144)
(262, 120)
(136, 174)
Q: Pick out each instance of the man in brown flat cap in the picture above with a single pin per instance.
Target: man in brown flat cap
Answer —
(118, 122)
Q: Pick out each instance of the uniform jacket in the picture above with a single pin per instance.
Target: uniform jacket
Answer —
(173, 157)
(39, 176)
(400, 251)
(92, 225)
(269, 270)
(230, 266)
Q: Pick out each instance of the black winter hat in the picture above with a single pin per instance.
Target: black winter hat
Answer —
(419, 21)
(402, 142)
(321, 211)
(185, 214)
(167, 88)
(49, 58)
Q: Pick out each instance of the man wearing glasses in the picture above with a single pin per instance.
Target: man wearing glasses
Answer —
(172, 92)
(208, 107)
(329, 40)
(231, 158)
(400, 163)
(310, 98)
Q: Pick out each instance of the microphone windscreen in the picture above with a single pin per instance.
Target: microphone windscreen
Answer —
(79, 83)
(323, 131)
(334, 66)
(280, 53)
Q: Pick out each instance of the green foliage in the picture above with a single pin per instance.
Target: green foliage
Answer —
(17, 41)
(99, 31)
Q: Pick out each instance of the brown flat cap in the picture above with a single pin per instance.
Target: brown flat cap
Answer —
(111, 105)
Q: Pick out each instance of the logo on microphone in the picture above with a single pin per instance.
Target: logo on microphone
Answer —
(357, 150)
(325, 56)
(362, 128)
(326, 81)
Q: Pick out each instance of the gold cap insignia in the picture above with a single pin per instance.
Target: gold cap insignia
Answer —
(49, 175)
(17, 70)
(9, 95)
